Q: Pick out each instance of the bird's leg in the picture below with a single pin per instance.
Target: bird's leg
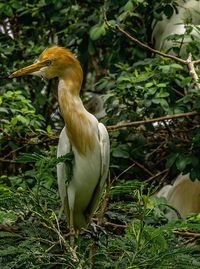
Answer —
(72, 239)
(71, 229)
(60, 212)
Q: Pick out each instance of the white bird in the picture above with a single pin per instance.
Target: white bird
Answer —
(175, 25)
(183, 195)
(83, 135)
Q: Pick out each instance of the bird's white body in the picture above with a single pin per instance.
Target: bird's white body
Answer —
(89, 171)
(176, 25)
(81, 193)
(183, 195)
(83, 135)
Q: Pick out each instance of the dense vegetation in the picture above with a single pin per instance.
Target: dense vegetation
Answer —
(136, 85)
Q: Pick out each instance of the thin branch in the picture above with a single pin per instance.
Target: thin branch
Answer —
(142, 167)
(123, 172)
(196, 61)
(142, 122)
(157, 175)
(187, 62)
(187, 233)
(192, 71)
(138, 42)
(107, 223)
(7, 160)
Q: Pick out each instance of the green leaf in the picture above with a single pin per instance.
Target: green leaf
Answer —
(195, 174)
(14, 121)
(121, 152)
(161, 85)
(49, 129)
(197, 103)
(67, 157)
(97, 31)
(162, 94)
(176, 66)
(149, 84)
(171, 158)
(30, 157)
(112, 22)
(4, 110)
(22, 119)
(128, 6)
(181, 162)
(164, 104)
(7, 217)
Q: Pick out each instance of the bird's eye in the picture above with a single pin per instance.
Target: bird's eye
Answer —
(48, 62)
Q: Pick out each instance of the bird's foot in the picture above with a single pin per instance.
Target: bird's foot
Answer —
(96, 232)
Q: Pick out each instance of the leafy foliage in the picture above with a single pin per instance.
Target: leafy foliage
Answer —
(135, 86)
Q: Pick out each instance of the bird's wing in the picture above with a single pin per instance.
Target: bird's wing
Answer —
(64, 147)
(105, 153)
(105, 160)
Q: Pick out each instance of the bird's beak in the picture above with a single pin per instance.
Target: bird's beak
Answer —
(28, 69)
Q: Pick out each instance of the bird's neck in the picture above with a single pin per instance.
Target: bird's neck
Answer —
(77, 119)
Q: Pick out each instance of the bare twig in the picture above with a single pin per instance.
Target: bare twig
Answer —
(107, 223)
(187, 233)
(187, 62)
(192, 71)
(157, 175)
(142, 167)
(142, 122)
(138, 42)
(123, 172)
(196, 61)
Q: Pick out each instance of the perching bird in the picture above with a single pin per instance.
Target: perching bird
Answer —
(83, 135)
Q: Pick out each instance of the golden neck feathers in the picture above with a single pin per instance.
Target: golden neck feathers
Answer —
(60, 62)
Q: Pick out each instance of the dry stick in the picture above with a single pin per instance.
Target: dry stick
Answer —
(187, 233)
(189, 62)
(123, 172)
(142, 167)
(156, 175)
(107, 223)
(192, 71)
(177, 59)
(141, 122)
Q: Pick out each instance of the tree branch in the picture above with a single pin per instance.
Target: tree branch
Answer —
(192, 71)
(186, 233)
(138, 42)
(189, 62)
(141, 122)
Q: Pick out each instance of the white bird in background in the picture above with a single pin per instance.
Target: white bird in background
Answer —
(183, 195)
(83, 135)
(187, 10)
